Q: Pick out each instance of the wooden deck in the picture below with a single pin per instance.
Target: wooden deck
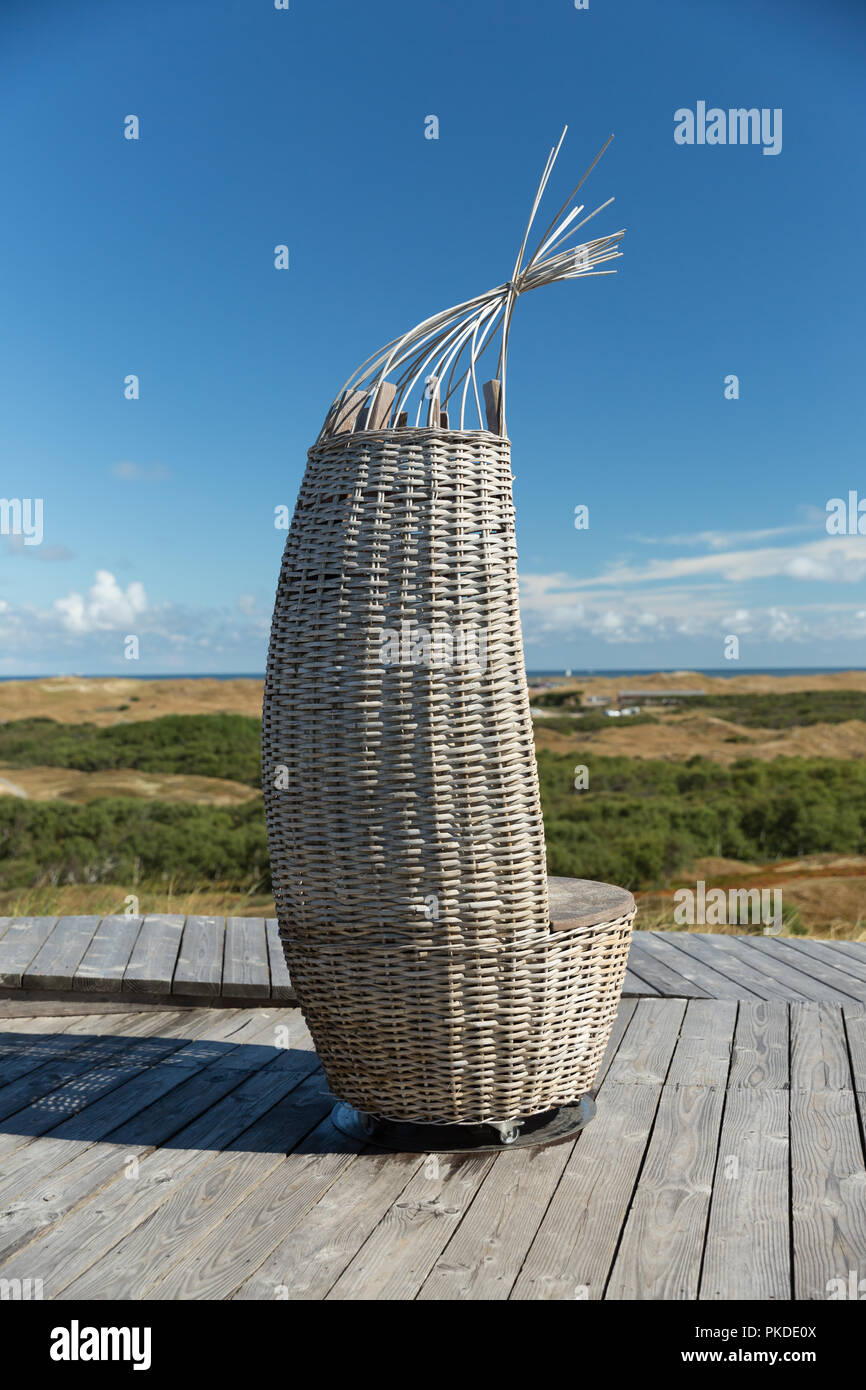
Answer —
(142, 960)
(179, 1146)
(159, 960)
(189, 1155)
(696, 965)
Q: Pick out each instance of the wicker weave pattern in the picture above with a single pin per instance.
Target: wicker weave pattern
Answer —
(406, 782)
(449, 1036)
(402, 799)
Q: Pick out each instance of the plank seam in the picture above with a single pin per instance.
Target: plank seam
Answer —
(785, 961)
(791, 1265)
(732, 979)
(858, 1097)
(561, 1177)
(642, 1164)
(727, 1088)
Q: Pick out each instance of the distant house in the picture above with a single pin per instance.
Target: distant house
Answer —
(659, 696)
(597, 700)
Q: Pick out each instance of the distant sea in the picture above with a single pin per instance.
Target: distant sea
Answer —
(725, 671)
(576, 672)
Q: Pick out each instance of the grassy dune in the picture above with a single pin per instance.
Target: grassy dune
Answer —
(117, 787)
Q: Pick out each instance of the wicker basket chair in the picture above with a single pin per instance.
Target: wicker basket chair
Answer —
(401, 791)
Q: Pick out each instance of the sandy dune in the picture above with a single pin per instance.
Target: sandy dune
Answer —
(717, 685)
(679, 737)
(46, 783)
(76, 700)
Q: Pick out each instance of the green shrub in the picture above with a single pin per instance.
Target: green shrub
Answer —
(119, 840)
(784, 709)
(202, 745)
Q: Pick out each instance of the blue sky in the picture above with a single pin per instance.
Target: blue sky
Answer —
(307, 127)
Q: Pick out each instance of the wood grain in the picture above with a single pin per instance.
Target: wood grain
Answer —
(246, 971)
(664, 946)
(199, 966)
(644, 957)
(151, 964)
(572, 1252)
(281, 984)
(21, 942)
(106, 958)
(748, 1240)
(660, 1253)
(404, 1247)
(645, 1052)
(60, 955)
(760, 1056)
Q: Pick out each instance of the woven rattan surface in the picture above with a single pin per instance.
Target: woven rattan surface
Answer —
(401, 791)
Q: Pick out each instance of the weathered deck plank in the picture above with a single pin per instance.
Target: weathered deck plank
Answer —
(189, 1155)
(760, 1054)
(845, 961)
(645, 1051)
(60, 955)
(281, 984)
(85, 1237)
(202, 1044)
(198, 1216)
(74, 1160)
(246, 972)
(151, 964)
(241, 961)
(825, 981)
(199, 966)
(310, 1258)
(714, 985)
(486, 1253)
(720, 953)
(828, 1183)
(107, 956)
(773, 964)
(20, 944)
(405, 1246)
(662, 1241)
(571, 1255)
(658, 973)
(41, 1095)
(36, 1041)
(634, 985)
(747, 1251)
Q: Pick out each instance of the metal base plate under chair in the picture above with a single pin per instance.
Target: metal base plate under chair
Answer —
(400, 1136)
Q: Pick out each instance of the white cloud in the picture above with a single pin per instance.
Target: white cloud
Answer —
(722, 540)
(837, 559)
(106, 606)
(553, 606)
